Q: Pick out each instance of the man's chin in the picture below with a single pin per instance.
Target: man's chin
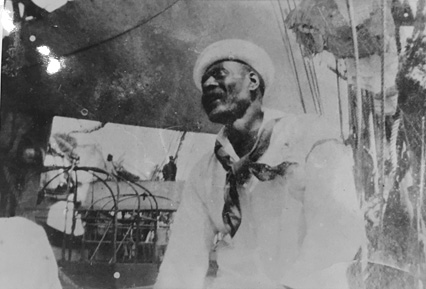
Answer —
(219, 117)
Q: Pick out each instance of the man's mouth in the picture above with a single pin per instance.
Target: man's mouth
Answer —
(210, 98)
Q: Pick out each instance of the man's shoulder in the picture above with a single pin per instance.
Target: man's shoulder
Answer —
(308, 125)
(297, 134)
(200, 168)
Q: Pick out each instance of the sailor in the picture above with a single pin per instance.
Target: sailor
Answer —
(279, 187)
(170, 170)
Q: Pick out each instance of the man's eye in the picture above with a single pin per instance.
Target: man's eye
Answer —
(220, 73)
(217, 74)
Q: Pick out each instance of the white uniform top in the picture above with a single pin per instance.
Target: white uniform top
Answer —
(300, 230)
(26, 258)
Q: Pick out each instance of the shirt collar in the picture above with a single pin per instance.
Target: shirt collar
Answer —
(268, 114)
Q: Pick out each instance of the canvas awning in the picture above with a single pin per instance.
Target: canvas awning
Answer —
(325, 25)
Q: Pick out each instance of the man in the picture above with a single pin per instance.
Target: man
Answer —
(169, 170)
(110, 166)
(278, 187)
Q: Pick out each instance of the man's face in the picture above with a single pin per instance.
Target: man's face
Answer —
(226, 93)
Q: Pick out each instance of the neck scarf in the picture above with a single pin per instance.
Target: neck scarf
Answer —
(238, 172)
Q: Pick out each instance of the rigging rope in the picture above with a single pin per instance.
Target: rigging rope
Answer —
(292, 57)
(305, 65)
(382, 102)
(382, 125)
(339, 99)
(314, 100)
(139, 24)
(313, 77)
(316, 84)
(310, 74)
(357, 86)
(420, 200)
(393, 143)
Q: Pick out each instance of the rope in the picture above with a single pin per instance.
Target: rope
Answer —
(281, 33)
(292, 57)
(393, 145)
(357, 86)
(307, 71)
(316, 84)
(181, 139)
(420, 198)
(372, 139)
(309, 77)
(351, 116)
(139, 24)
(382, 121)
(314, 90)
(310, 71)
(383, 95)
(309, 81)
(339, 99)
(310, 74)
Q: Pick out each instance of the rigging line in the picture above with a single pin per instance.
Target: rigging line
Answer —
(317, 85)
(308, 72)
(311, 75)
(339, 99)
(317, 99)
(416, 141)
(419, 200)
(372, 120)
(393, 143)
(308, 76)
(358, 113)
(350, 107)
(141, 23)
(311, 78)
(357, 86)
(281, 33)
(181, 140)
(293, 60)
(373, 148)
(382, 115)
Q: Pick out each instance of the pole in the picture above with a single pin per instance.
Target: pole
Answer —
(420, 201)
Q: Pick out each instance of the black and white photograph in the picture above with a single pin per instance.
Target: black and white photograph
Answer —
(213, 144)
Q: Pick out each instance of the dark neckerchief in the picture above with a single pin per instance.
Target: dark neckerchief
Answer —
(238, 172)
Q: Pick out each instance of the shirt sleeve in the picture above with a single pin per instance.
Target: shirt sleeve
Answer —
(334, 222)
(27, 259)
(187, 256)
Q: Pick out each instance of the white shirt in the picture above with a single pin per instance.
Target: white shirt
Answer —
(301, 230)
(26, 258)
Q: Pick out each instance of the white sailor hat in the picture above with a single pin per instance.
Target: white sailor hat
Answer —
(237, 50)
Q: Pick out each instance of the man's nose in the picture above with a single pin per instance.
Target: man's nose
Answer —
(211, 81)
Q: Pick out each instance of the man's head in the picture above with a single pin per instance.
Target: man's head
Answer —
(229, 88)
(232, 75)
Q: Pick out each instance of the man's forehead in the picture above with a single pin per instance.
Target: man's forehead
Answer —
(231, 64)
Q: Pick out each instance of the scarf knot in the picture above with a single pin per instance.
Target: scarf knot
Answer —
(239, 172)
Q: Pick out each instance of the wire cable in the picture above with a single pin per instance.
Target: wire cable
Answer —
(292, 57)
(139, 24)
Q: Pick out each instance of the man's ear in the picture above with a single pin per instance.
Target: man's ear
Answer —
(254, 80)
